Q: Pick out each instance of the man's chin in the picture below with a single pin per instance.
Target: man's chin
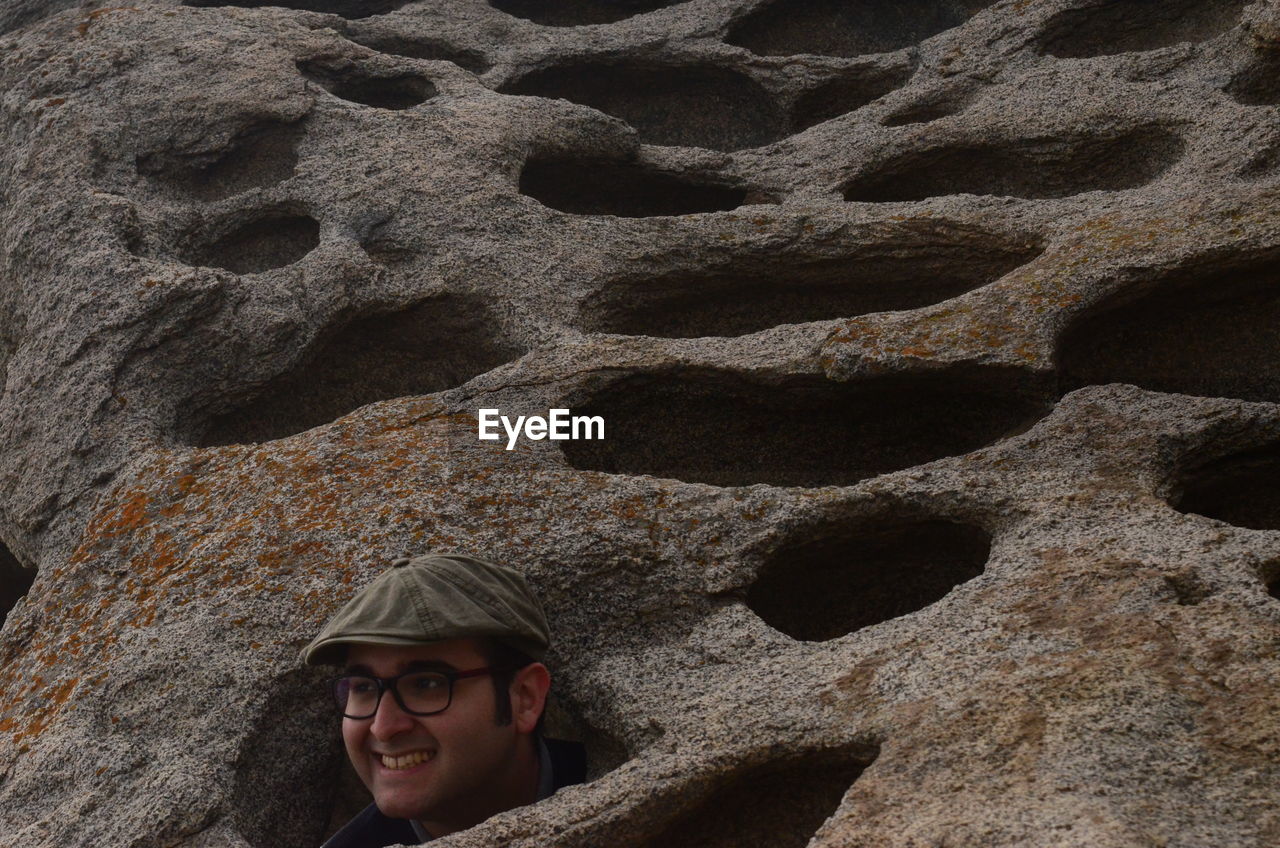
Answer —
(403, 802)
(396, 806)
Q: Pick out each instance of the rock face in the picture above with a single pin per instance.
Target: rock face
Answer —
(936, 344)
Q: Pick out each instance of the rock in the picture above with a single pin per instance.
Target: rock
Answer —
(936, 349)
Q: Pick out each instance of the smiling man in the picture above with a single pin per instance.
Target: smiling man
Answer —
(441, 693)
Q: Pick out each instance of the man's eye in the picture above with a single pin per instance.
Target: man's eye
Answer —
(362, 687)
(427, 682)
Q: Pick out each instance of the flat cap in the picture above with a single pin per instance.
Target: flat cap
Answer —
(435, 597)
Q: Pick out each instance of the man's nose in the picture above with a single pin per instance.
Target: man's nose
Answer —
(389, 719)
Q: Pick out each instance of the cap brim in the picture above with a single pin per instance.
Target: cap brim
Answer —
(333, 651)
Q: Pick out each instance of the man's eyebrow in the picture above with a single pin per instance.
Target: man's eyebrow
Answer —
(429, 665)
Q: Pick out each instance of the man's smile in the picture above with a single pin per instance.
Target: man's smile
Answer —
(400, 762)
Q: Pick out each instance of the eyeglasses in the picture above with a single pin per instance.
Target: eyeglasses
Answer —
(419, 693)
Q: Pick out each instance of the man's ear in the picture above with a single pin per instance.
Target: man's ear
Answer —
(529, 690)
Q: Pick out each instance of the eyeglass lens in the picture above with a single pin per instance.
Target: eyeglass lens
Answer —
(420, 692)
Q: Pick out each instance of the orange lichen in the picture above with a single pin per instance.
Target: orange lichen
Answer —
(83, 27)
(63, 691)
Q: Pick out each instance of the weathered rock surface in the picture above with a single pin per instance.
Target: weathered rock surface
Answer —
(937, 348)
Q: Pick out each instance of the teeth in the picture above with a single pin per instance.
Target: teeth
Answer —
(404, 761)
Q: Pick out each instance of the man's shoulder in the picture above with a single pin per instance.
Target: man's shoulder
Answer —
(371, 829)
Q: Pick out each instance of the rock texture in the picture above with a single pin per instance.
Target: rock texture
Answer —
(936, 343)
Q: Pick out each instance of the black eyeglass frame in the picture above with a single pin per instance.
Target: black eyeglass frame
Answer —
(393, 684)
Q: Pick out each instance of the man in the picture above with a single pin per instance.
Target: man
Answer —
(441, 692)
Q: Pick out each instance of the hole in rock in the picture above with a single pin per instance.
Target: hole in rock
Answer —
(470, 60)
(756, 293)
(1031, 168)
(1212, 330)
(578, 12)
(261, 156)
(841, 96)
(283, 785)
(434, 345)
(1242, 489)
(1258, 84)
(779, 804)
(843, 28)
(625, 189)
(604, 751)
(935, 107)
(721, 428)
(15, 582)
(268, 242)
(351, 9)
(691, 106)
(841, 578)
(1126, 26)
(351, 84)
(1273, 587)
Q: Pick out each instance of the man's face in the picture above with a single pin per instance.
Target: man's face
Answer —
(470, 765)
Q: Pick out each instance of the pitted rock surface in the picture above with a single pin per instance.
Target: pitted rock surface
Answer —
(936, 343)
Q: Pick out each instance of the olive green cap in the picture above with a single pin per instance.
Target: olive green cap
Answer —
(435, 597)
